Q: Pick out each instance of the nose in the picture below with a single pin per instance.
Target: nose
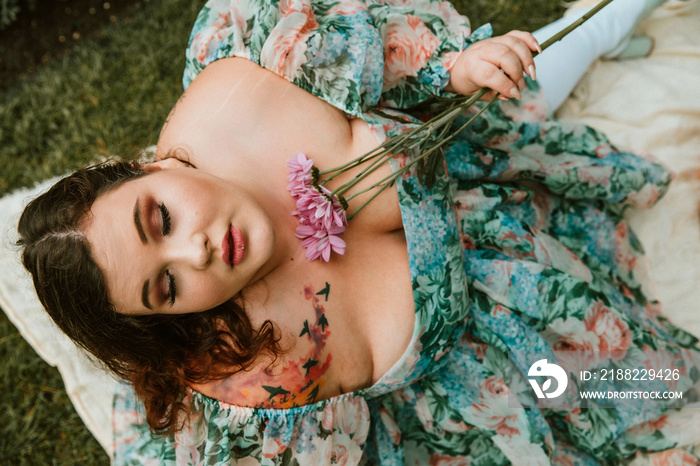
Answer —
(195, 252)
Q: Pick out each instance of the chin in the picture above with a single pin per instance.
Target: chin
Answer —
(262, 245)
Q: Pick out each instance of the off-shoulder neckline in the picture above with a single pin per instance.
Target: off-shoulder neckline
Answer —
(373, 390)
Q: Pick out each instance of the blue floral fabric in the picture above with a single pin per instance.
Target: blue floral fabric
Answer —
(517, 251)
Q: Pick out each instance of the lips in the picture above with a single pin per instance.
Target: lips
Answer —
(233, 246)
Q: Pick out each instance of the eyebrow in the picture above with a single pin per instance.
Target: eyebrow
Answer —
(142, 234)
(144, 296)
(137, 222)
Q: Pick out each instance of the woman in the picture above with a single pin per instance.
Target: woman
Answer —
(396, 351)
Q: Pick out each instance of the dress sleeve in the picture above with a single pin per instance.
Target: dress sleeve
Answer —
(332, 431)
(422, 40)
(354, 54)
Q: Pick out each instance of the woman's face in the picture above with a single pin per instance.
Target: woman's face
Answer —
(178, 240)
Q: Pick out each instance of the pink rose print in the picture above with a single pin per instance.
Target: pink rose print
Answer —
(503, 142)
(674, 457)
(603, 151)
(339, 455)
(203, 52)
(595, 176)
(537, 109)
(575, 345)
(562, 458)
(408, 44)
(423, 412)
(625, 257)
(288, 7)
(644, 198)
(122, 419)
(449, 59)
(327, 421)
(272, 447)
(575, 418)
(390, 424)
(492, 410)
(663, 360)
(444, 460)
(649, 427)
(347, 8)
(284, 49)
(613, 332)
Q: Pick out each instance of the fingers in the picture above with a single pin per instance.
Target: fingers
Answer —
(499, 63)
(495, 65)
(506, 81)
(490, 95)
(523, 44)
(528, 39)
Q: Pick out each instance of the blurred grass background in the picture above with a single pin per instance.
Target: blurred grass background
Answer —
(110, 96)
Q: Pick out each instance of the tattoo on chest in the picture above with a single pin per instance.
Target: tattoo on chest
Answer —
(297, 381)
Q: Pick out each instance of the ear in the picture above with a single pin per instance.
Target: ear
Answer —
(164, 164)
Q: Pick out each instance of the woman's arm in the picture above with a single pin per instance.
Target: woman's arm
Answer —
(355, 54)
(429, 48)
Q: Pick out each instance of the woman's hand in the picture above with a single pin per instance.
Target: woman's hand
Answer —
(498, 63)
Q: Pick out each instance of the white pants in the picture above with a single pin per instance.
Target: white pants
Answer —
(563, 64)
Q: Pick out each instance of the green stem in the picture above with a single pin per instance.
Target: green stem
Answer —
(447, 139)
(389, 180)
(560, 35)
(384, 183)
(404, 142)
(389, 146)
(348, 166)
(360, 192)
(386, 154)
(436, 121)
(359, 160)
(362, 175)
(420, 134)
(350, 216)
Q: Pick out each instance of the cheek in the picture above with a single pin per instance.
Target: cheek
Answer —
(209, 291)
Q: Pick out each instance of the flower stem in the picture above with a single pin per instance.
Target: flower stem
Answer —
(353, 163)
(350, 216)
(423, 133)
(363, 174)
(560, 35)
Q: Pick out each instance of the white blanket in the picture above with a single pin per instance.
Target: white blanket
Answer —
(650, 105)
(89, 387)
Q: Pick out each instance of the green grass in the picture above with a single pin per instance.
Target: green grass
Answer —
(110, 96)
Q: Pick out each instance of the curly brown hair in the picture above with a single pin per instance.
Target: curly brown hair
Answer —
(157, 354)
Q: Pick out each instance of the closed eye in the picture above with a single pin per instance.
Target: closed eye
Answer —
(172, 289)
(165, 215)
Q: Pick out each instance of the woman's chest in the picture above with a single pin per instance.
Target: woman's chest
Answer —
(371, 308)
(341, 329)
(344, 323)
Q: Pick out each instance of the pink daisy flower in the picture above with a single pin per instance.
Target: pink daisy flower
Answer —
(322, 220)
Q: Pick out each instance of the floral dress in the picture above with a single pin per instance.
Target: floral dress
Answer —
(518, 252)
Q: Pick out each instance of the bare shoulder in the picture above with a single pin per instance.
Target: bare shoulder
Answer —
(236, 109)
(242, 122)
